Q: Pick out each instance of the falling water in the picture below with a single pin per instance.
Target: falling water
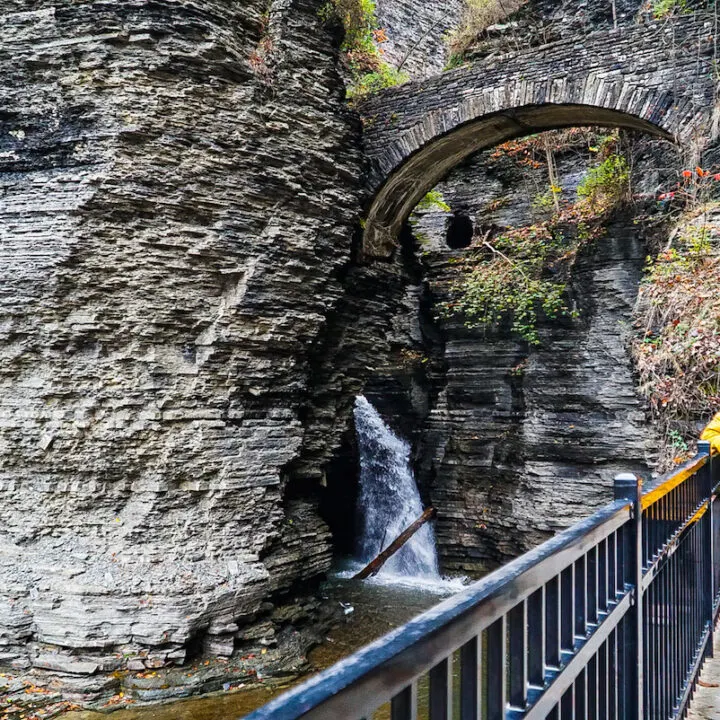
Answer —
(389, 500)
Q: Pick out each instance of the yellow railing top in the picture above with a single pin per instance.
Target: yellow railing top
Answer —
(651, 497)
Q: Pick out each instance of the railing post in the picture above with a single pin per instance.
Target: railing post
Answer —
(706, 474)
(629, 487)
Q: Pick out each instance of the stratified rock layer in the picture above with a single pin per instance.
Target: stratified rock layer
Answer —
(178, 187)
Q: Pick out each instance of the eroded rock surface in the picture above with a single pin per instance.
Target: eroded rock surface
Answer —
(175, 209)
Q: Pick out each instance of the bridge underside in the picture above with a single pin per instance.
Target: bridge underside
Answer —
(402, 191)
(658, 79)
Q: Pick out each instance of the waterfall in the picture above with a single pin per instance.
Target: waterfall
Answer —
(389, 500)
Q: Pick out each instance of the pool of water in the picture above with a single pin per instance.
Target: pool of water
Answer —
(374, 608)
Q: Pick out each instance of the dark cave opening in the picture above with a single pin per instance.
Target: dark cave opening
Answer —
(339, 498)
(459, 232)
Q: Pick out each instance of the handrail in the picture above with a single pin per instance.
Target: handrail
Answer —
(555, 618)
(668, 482)
(461, 615)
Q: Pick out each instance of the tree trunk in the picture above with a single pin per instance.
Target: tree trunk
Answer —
(374, 567)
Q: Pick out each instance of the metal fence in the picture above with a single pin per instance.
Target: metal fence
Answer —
(611, 619)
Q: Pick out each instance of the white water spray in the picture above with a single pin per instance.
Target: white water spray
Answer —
(389, 500)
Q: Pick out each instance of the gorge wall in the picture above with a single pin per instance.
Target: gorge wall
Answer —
(180, 188)
(184, 326)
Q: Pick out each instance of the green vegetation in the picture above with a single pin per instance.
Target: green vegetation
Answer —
(607, 183)
(362, 47)
(546, 202)
(507, 281)
(478, 16)
(677, 346)
(521, 274)
(434, 200)
(372, 82)
(664, 8)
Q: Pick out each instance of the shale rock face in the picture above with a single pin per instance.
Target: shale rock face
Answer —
(416, 33)
(178, 186)
(183, 329)
(524, 441)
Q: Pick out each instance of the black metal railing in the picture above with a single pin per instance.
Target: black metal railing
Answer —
(609, 620)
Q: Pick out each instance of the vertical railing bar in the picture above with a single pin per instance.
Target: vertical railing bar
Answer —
(655, 666)
(567, 610)
(441, 690)
(496, 663)
(629, 487)
(648, 637)
(613, 680)
(581, 696)
(580, 582)
(470, 671)
(567, 705)
(675, 623)
(592, 688)
(603, 682)
(623, 711)
(602, 591)
(708, 559)
(536, 638)
(592, 586)
(612, 566)
(518, 631)
(677, 608)
(404, 705)
(552, 623)
(660, 643)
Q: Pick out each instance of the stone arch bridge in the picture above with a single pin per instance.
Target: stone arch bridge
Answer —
(657, 78)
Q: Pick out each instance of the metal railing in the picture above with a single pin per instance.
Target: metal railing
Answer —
(609, 620)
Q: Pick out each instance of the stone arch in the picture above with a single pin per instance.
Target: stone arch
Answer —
(416, 134)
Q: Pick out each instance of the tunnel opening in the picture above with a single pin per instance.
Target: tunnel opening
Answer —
(460, 231)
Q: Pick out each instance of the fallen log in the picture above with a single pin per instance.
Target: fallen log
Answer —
(373, 568)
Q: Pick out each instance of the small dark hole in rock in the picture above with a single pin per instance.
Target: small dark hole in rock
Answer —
(459, 232)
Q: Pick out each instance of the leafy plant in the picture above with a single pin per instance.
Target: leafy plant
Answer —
(664, 8)
(521, 274)
(373, 82)
(434, 200)
(362, 47)
(507, 281)
(606, 183)
(545, 202)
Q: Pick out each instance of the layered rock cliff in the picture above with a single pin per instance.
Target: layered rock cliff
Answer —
(185, 325)
(179, 195)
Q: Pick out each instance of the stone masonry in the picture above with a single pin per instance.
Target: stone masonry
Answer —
(656, 78)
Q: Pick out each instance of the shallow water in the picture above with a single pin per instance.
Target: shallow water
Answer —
(378, 607)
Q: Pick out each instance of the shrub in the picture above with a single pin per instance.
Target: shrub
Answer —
(385, 76)
(606, 183)
(361, 46)
(507, 281)
(664, 8)
(477, 16)
(677, 346)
